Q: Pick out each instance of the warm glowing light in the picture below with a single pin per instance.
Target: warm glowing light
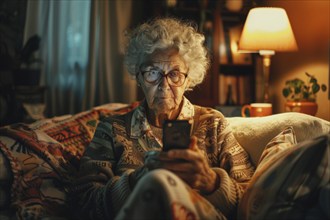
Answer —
(267, 29)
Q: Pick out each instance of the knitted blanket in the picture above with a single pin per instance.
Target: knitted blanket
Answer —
(41, 158)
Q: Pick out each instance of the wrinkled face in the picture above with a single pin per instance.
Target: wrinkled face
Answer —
(162, 95)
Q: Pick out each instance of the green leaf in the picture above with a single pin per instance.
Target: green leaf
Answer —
(315, 88)
(305, 95)
(313, 80)
(305, 88)
(323, 87)
(286, 92)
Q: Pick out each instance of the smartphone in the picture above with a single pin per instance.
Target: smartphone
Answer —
(176, 134)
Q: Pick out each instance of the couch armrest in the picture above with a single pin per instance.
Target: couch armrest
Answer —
(254, 133)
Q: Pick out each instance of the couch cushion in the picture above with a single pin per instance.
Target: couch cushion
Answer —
(254, 133)
(5, 180)
(36, 189)
(288, 183)
(74, 132)
(275, 148)
(43, 157)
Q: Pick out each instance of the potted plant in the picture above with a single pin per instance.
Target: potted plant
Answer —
(301, 95)
(26, 67)
(21, 62)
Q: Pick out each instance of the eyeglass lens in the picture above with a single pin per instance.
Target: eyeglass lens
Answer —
(174, 77)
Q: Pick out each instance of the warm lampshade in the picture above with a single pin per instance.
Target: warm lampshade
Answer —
(267, 29)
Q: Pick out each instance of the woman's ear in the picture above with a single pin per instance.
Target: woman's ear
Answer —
(138, 82)
(187, 88)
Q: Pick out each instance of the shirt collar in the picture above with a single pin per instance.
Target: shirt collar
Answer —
(140, 124)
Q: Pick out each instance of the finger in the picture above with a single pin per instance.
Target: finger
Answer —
(168, 163)
(154, 160)
(151, 154)
(193, 143)
(152, 164)
(157, 155)
(195, 181)
(180, 166)
(189, 155)
(186, 154)
(191, 179)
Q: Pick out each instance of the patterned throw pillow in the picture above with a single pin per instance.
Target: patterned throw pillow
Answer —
(42, 157)
(288, 179)
(75, 132)
(275, 148)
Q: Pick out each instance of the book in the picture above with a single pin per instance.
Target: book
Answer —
(240, 89)
(238, 57)
(244, 89)
(228, 90)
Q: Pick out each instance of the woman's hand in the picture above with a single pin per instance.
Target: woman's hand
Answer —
(189, 164)
(136, 175)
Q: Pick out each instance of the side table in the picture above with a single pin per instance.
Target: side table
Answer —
(30, 102)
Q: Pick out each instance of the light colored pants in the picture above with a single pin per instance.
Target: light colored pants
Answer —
(160, 194)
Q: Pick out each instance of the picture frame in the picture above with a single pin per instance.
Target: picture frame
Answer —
(228, 46)
(238, 57)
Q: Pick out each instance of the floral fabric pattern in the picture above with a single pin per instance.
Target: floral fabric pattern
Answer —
(43, 158)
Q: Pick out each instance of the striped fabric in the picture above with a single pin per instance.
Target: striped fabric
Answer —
(289, 180)
(120, 144)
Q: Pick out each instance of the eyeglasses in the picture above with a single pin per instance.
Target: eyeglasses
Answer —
(174, 77)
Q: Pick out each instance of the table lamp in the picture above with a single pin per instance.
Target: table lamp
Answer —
(267, 30)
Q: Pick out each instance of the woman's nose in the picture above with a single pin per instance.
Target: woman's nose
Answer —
(163, 84)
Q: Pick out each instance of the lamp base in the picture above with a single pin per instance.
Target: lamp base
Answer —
(266, 66)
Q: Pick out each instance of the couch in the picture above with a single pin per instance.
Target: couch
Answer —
(38, 159)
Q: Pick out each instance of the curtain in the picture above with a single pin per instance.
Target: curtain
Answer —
(82, 52)
(64, 30)
(108, 80)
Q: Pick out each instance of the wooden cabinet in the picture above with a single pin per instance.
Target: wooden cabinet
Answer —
(206, 15)
(236, 70)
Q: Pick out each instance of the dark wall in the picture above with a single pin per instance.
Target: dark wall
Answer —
(12, 20)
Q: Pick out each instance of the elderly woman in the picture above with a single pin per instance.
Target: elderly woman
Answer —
(125, 174)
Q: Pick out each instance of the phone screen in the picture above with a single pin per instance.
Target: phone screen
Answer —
(176, 134)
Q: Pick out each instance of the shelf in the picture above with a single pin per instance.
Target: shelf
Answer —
(223, 28)
(230, 110)
(235, 69)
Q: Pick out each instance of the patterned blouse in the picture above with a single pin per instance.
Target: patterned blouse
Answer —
(119, 146)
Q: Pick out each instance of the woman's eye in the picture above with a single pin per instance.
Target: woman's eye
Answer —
(153, 72)
(152, 75)
(174, 74)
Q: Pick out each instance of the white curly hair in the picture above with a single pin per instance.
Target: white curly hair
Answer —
(163, 33)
